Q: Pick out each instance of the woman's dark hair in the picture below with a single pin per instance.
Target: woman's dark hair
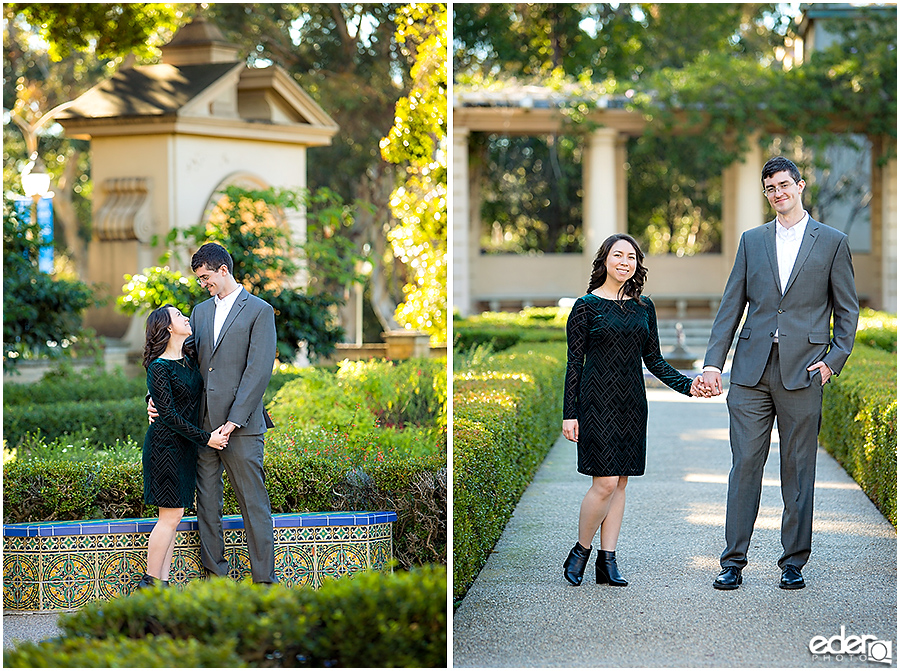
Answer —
(634, 285)
(157, 335)
(213, 257)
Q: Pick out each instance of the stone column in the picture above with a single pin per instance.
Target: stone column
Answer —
(602, 175)
(743, 203)
(461, 251)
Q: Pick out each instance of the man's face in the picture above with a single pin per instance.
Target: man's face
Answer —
(212, 280)
(783, 192)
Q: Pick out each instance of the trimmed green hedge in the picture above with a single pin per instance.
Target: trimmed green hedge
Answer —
(108, 421)
(373, 620)
(65, 385)
(506, 416)
(502, 330)
(859, 424)
(877, 329)
(415, 488)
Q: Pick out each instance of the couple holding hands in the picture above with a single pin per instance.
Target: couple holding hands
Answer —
(206, 371)
(793, 276)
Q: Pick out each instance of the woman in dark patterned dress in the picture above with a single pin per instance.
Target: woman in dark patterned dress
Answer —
(609, 331)
(170, 446)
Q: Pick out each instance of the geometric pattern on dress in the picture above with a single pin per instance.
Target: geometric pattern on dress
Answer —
(608, 340)
(170, 446)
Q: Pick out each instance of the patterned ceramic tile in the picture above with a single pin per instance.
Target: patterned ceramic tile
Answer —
(65, 571)
(120, 572)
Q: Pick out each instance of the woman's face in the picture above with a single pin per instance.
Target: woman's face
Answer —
(180, 325)
(621, 262)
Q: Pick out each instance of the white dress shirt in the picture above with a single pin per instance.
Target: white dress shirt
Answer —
(787, 246)
(223, 307)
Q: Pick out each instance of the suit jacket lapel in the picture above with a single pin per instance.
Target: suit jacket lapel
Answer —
(809, 239)
(232, 315)
(209, 319)
(770, 252)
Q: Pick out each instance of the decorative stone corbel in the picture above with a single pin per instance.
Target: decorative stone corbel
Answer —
(125, 215)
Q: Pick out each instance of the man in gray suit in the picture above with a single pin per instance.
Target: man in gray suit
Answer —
(234, 334)
(793, 275)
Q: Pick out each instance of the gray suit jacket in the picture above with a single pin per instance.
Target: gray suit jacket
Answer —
(237, 369)
(821, 286)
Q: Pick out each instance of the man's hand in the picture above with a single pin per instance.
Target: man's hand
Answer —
(699, 388)
(151, 411)
(570, 429)
(713, 380)
(823, 369)
(227, 428)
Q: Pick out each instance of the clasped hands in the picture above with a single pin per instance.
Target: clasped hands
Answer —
(218, 439)
(707, 385)
(710, 383)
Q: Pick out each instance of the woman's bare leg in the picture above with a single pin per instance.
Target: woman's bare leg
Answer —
(162, 542)
(595, 508)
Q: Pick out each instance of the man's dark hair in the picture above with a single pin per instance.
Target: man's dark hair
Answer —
(213, 257)
(779, 163)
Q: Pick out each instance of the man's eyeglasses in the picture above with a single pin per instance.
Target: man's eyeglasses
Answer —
(772, 190)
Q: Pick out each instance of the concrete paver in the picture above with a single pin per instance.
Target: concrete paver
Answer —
(520, 612)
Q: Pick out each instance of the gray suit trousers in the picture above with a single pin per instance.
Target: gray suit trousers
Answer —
(242, 459)
(752, 412)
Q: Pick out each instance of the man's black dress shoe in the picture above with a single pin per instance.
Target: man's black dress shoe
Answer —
(728, 578)
(791, 578)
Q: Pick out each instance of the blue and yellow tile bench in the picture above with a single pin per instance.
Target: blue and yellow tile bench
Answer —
(56, 566)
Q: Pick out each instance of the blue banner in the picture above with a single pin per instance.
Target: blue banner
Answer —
(45, 221)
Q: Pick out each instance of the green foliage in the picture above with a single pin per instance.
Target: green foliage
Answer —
(502, 330)
(161, 652)
(109, 420)
(250, 225)
(366, 394)
(859, 425)
(877, 329)
(40, 489)
(67, 384)
(41, 313)
(418, 141)
(108, 29)
(505, 418)
(159, 286)
(375, 619)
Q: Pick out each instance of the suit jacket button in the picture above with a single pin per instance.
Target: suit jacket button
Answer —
(780, 311)
(210, 370)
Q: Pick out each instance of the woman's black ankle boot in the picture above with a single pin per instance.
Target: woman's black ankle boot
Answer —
(573, 567)
(607, 571)
(146, 581)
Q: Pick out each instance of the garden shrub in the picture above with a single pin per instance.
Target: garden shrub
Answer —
(375, 619)
(159, 652)
(506, 416)
(859, 424)
(66, 384)
(110, 420)
(877, 329)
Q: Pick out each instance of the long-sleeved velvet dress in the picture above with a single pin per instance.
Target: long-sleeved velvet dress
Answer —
(171, 443)
(604, 386)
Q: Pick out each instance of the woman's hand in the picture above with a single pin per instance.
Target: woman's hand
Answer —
(570, 429)
(218, 439)
(700, 389)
